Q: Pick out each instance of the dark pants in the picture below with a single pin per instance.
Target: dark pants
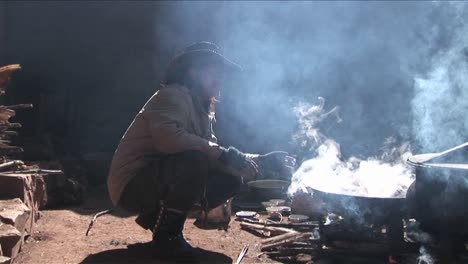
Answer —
(180, 180)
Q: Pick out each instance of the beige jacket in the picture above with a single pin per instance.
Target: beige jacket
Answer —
(172, 121)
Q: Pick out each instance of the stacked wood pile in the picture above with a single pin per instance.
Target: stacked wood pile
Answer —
(285, 241)
(327, 237)
(22, 187)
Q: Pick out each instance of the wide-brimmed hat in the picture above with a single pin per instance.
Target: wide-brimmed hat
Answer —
(198, 53)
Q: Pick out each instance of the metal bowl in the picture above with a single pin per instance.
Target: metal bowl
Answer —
(269, 189)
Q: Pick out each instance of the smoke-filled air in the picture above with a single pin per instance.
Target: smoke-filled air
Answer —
(395, 71)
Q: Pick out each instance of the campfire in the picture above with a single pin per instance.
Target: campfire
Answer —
(353, 209)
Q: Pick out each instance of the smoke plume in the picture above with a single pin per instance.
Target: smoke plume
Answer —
(440, 103)
(328, 172)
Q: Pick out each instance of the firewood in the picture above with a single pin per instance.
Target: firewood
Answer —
(4, 142)
(17, 106)
(273, 230)
(10, 68)
(284, 252)
(8, 133)
(5, 73)
(5, 150)
(280, 237)
(259, 233)
(32, 171)
(10, 164)
(284, 239)
(5, 114)
(309, 224)
(10, 125)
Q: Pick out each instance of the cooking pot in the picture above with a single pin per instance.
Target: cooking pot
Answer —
(439, 195)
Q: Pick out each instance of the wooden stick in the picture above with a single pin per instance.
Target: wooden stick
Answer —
(5, 147)
(284, 252)
(8, 133)
(33, 171)
(256, 232)
(95, 218)
(10, 164)
(10, 150)
(242, 254)
(285, 241)
(310, 224)
(10, 125)
(17, 106)
(280, 237)
(277, 230)
(10, 67)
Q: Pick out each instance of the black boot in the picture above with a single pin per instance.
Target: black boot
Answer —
(168, 241)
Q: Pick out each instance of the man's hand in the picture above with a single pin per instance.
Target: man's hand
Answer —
(238, 160)
(249, 172)
(276, 164)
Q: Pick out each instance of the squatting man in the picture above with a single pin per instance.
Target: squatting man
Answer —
(168, 160)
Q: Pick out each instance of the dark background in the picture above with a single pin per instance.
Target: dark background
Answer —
(89, 66)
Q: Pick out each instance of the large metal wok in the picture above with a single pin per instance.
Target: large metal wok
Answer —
(365, 210)
(360, 208)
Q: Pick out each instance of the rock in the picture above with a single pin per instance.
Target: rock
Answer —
(15, 213)
(5, 260)
(30, 188)
(62, 191)
(10, 239)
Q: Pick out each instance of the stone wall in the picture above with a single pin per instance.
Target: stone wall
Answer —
(21, 195)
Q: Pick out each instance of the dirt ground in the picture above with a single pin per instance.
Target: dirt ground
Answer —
(59, 237)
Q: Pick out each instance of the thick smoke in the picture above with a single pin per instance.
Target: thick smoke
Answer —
(379, 61)
(359, 56)
(440, 104)
(387, 176)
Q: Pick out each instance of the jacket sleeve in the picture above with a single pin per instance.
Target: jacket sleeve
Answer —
(168, 117)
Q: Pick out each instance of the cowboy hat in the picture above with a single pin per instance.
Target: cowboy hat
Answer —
(199, 53)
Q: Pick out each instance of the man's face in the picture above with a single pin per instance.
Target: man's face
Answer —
(208, 79)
